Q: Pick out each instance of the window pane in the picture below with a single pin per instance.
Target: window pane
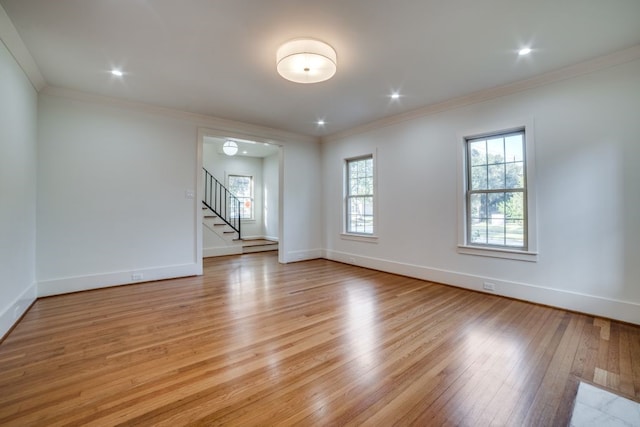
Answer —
(495, 234)
(479, 178)
(353, 168)
(513, 148)
(496, 206)
(496, 179)
(514, 233)
(368, 206)
(495, 150)
(368, 185)
(479, 206)
(478, 150)
(515, 175)
(514, 206)
(479, 232)
(369, 167)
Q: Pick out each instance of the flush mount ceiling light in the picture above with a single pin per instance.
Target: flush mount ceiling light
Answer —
(306, 61)
(230, 148)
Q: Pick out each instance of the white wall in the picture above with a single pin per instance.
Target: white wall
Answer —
(113, 179)
(588, 192)
(301, 215)
(112, 199)
(18, 109)
(270, 173)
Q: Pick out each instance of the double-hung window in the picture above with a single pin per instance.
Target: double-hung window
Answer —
(241, 186)
(497, 215)
(359, 189)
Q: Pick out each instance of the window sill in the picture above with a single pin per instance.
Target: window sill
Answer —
(499, 253)
(359, 237)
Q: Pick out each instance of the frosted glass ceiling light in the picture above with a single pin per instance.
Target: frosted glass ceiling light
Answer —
(230, 148)
(306, 61)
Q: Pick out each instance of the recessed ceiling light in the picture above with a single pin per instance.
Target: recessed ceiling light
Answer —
(320, 122)
(244, 151)
(524, 51)
(117, 73)
(395, 95)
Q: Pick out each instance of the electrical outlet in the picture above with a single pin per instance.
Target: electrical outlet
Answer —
(136, 276)
(489, 286)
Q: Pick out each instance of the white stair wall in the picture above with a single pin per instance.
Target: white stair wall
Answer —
(218, 238)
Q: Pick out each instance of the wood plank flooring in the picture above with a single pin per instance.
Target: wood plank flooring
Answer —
(253, 342)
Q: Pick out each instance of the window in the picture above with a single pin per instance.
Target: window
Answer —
(496, 191)
(241, 187)
(359, 195)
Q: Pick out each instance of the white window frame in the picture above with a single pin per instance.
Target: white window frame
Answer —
(252, 197)
(350, 235)
(530, 253)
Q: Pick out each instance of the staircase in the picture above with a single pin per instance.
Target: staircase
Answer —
(222, 203)
(221, 220)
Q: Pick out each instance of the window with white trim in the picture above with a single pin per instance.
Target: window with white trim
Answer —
(497, 191)
(359, 187)
(241, 186)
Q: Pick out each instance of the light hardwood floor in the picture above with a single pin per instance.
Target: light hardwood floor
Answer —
(253, 342)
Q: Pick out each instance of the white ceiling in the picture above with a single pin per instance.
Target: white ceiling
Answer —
(217, 57)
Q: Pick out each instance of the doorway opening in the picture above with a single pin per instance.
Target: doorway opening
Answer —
(244, 183)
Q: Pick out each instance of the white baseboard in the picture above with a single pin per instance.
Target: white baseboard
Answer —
(95, 281)
(574, 301)
(222, 251)
(294, 256)
(16, 309)
(274, 238)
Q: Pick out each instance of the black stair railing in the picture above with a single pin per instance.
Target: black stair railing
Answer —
(221, 202)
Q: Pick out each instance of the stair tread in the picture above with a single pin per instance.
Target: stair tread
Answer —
(259, 242)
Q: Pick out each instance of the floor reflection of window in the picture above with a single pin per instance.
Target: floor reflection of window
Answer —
(362, 328)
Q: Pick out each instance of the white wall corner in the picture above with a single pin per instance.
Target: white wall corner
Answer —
(96, 281)
(11, 39)
(14, 311)
(574, 301)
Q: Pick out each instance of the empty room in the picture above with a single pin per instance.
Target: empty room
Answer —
(282, 212)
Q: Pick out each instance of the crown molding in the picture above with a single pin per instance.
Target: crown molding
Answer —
(590, 66)
(200, 120)
(11, 39)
